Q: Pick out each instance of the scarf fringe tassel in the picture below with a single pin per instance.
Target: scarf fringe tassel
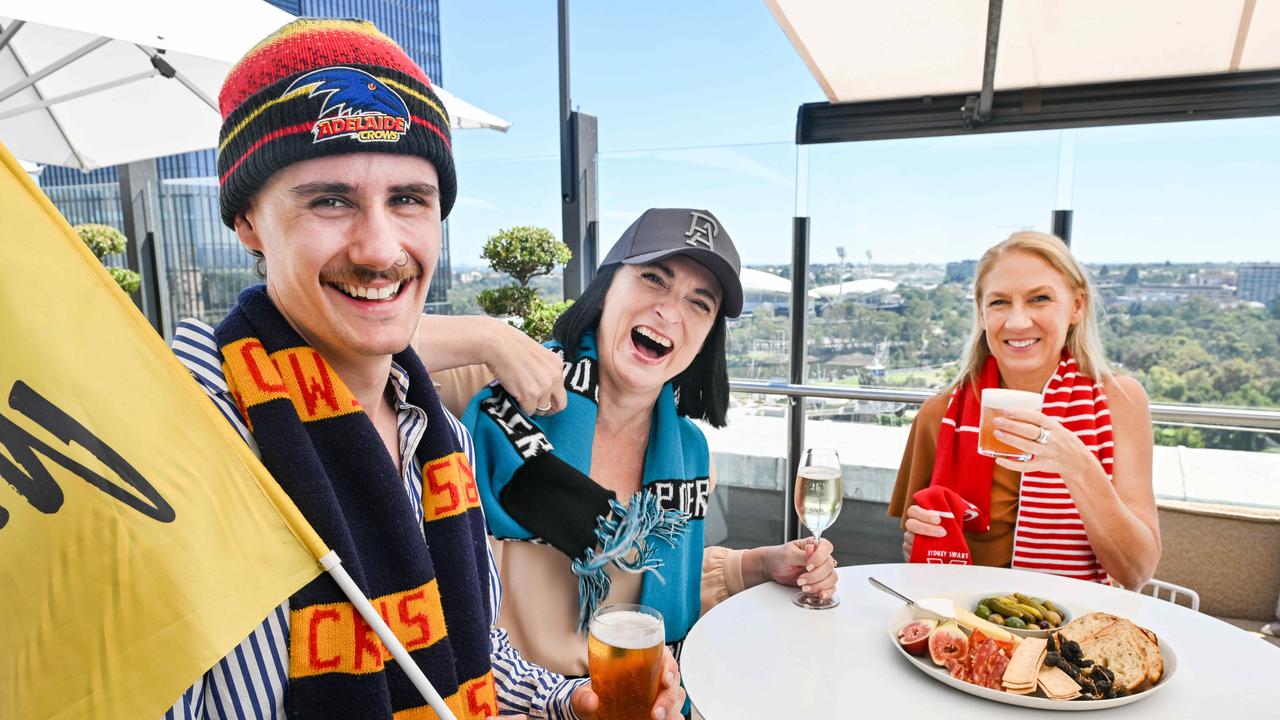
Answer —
(625, 529)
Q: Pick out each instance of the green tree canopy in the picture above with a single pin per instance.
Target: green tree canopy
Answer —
(524, 252)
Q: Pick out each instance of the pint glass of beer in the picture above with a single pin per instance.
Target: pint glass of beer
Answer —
(624, 656)
(994, 402)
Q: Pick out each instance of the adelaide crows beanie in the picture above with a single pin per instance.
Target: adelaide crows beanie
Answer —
(322, 87)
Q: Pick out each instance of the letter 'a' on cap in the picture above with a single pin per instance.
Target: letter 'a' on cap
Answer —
(696, 234)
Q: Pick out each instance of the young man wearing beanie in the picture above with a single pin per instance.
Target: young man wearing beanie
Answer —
(336, 170)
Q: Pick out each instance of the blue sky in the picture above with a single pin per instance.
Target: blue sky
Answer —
(697, 103)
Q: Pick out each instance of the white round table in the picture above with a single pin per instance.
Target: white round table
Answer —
(758, 656)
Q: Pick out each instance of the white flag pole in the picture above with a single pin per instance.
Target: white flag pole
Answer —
(333, 565)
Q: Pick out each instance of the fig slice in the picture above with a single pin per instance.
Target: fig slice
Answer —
(948, 641)
(914, 636)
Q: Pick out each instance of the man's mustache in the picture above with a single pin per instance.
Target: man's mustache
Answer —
(365, 275)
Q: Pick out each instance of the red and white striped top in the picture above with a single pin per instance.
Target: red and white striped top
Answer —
(1049, 535)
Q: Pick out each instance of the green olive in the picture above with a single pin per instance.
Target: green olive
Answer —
(982, 611)
(1015, 623)
(1002, 606)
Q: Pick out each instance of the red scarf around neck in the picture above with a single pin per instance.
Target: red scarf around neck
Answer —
(1049, 535)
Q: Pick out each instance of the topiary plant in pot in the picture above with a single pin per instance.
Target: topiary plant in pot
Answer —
(524, 252)
(104, 240)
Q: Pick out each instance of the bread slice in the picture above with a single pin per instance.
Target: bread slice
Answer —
(1086, 625)
(1151, 649)
(1097, 624)
(1116, 647)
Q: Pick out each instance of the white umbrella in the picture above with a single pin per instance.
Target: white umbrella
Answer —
(465, 116)
(31, 169)
(87, 83)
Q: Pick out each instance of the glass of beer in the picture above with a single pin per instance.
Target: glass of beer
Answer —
(819, 497)
(994, 402)
(624, 657)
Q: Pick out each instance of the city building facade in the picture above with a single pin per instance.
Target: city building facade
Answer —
(1259, 283)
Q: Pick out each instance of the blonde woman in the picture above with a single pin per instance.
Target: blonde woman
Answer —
(1083, 505)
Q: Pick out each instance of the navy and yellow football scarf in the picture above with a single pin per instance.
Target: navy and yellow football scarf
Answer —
(533, 482)
(427, 576)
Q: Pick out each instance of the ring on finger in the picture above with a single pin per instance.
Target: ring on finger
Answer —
(1043, 438)
(543, 408)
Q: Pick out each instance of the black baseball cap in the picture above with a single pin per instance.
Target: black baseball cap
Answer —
(696, 234)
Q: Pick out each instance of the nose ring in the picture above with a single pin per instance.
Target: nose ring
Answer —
(405, 261)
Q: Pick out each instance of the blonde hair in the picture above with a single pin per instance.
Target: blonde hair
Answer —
(1083, 339)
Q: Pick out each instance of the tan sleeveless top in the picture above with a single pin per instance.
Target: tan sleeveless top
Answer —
(539, 590)
(994, 547)
(540, 599)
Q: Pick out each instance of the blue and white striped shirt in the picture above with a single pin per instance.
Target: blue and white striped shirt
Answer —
(249, 683)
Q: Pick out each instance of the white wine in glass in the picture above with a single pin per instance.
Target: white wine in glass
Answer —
(819, 497)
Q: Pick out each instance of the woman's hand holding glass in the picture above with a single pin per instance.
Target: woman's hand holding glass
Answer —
(667, 706)
(819, 496)
(801, 563)
(633, 674)
(1062, 452)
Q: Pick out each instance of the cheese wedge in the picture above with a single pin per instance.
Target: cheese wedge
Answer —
(972, 622)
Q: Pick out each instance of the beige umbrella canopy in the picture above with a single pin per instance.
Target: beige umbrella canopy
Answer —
(859, 51)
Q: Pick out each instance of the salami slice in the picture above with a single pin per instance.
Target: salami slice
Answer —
(981, 667)
(996, 665)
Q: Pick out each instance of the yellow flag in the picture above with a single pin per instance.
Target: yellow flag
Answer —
(140, 538)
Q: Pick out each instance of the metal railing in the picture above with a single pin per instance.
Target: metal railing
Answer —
(1248, 418)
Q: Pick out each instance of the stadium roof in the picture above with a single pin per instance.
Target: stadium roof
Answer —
(761, 281)
(865, 286)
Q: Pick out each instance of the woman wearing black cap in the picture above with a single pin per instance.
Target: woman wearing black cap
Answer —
(603, 502)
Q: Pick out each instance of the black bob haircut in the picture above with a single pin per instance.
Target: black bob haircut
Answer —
(702, 389)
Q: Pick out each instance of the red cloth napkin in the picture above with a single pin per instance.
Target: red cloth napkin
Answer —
(952, 548)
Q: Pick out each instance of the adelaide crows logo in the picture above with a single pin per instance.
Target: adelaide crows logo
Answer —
(356, 105)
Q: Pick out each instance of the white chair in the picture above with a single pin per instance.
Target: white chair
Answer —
(1168, 591)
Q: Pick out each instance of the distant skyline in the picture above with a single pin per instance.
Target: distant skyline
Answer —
(697, 103)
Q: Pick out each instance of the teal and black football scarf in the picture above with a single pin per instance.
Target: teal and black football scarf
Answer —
(427, 576)
(532, 474)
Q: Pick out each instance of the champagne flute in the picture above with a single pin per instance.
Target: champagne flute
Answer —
(819, 497)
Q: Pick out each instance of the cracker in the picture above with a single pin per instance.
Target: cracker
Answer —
(1057, 685)
(1025, 663)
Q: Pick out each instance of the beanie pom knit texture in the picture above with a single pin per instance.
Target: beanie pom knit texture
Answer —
(318, 88)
